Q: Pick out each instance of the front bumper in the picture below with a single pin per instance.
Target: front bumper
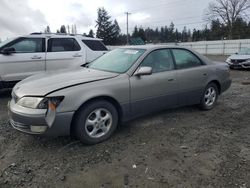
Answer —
(243, 65)
(24, 120)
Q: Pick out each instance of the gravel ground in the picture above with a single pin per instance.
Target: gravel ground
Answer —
(182, 147)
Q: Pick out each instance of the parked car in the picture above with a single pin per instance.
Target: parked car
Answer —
(240, 60)
(121, 85)
(37, 53)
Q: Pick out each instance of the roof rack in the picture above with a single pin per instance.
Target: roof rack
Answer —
(40, 33)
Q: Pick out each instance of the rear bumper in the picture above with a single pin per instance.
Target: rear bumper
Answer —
(36, 124)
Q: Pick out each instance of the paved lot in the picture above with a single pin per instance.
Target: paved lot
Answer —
(183, 147)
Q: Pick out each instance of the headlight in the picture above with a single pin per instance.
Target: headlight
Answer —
(228, 60)
(55, 101)
(39, 102)
(29, 102)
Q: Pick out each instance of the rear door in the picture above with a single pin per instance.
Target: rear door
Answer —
(192, 76)
(157, 91)
(63, 53)
(27, 59)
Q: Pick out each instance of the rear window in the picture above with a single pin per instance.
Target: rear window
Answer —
(95, 45)
(63, 44)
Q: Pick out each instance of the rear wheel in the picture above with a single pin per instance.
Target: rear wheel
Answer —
(96, 122)
(209, 97)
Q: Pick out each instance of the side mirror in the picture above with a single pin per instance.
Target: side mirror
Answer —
(8, 51)
(236, 53)
(144, 71)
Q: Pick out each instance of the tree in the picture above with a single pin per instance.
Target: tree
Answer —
(171, 32)
(115, 31)
(63, 29)
(91, 33)
(141, 34)
(105, 27)
(228, 11)
(135, 32)
(47, 30)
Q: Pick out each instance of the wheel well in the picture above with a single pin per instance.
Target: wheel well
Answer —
(106, 98)
(217, 84)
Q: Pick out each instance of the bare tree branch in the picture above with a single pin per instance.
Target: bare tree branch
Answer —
(228, 11)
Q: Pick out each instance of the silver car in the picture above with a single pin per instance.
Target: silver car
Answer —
(90, 102)
(240, 60)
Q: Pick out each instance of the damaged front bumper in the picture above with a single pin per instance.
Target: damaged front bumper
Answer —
(32, 121)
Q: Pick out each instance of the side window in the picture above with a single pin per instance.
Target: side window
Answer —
(63, 45)
(185, 59)
(159, 60)
(95, 45)
(27, 45)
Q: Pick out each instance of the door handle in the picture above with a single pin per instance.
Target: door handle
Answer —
(204, 74)
(77, 55)
(36, 57)
(171, 80)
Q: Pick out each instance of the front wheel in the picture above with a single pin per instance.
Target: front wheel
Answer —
(96, 122)
(209, 97)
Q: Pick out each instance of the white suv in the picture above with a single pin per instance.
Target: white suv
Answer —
(37, 52)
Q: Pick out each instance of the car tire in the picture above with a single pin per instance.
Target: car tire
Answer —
(209, 97)
(95, 122)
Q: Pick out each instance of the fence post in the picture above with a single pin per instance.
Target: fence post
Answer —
(191, 46)
(224, 45)
(206, 48)
(240, 47)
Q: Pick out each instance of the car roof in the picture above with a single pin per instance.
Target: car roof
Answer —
(152, 47)
(60, 35)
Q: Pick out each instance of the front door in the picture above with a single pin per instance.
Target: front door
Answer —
(28, 58)
(158, 90)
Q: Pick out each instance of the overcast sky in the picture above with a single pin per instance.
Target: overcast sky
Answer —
(19, 17)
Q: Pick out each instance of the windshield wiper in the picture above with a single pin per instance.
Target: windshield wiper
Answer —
(86, 65)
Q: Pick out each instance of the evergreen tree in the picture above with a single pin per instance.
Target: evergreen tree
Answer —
(91, 33)
(135, 32)
(141, 33)
(47, 30)
(106, 30)
(63, 29)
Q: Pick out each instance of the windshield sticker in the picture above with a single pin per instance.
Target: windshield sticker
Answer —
(131, 52)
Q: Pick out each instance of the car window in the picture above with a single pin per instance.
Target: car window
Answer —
(95, 45)
(159, 60)
(27, 45)
(63, 44)
(185, 59)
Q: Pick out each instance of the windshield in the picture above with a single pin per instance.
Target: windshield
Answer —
(5, 42)
(118, 60)
(244, 51)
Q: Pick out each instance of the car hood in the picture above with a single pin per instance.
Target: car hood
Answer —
(239, 57)
(42, 84)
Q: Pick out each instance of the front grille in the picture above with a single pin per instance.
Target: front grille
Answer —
(237, 61)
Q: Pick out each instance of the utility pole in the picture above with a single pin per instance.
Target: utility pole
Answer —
(127, 13)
